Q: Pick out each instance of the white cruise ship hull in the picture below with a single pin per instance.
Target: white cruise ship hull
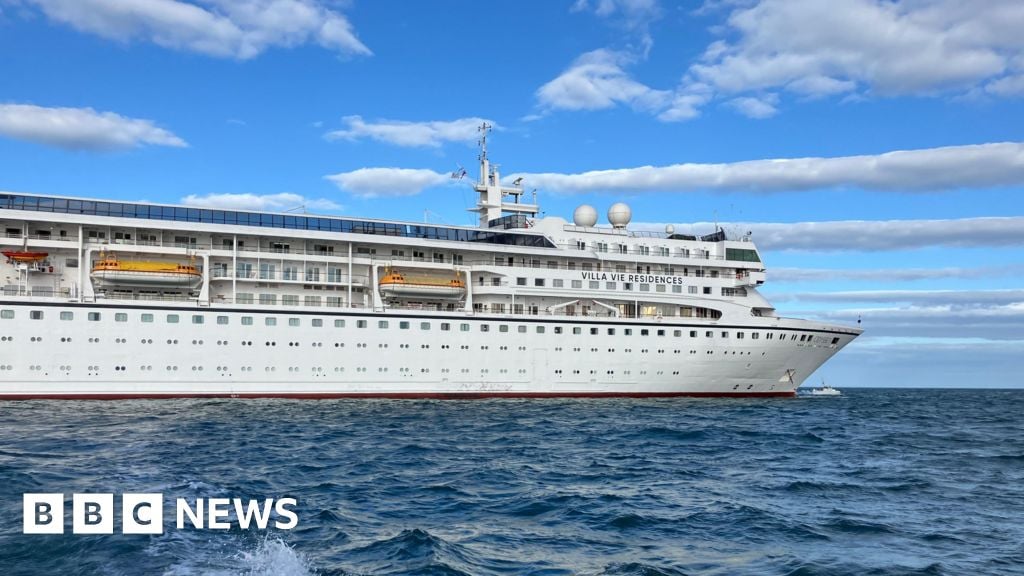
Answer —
(107, 351)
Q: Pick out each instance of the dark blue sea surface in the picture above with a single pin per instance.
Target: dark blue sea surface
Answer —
(874, 482)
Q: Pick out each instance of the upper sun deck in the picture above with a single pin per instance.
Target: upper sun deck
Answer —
(287, 221)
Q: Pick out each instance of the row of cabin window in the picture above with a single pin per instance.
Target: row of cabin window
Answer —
(406, 325)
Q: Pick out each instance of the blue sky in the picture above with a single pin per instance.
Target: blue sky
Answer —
(899, 122)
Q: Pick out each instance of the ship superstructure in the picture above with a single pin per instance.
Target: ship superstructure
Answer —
(106, 299)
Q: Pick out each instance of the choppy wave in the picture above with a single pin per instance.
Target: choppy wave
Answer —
(875, 482)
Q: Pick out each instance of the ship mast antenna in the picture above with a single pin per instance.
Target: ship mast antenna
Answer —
(484, 128)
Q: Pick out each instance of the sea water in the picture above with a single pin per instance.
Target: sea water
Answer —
(878, 481)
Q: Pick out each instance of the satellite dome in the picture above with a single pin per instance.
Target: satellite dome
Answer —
(584, 215)
(619, 215)
(670, 229)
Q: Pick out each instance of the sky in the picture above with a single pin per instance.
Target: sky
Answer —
(875, 149)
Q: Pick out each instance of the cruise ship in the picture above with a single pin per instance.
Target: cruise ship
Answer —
(107, 300)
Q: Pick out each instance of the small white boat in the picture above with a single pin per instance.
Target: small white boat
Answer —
(824, 390)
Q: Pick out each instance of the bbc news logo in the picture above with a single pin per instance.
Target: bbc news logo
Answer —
(43, 513)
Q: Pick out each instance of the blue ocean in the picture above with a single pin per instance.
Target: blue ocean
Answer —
(878, 481)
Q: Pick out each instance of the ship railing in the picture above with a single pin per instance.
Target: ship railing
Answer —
(39, 237)
(696, 272)
(37, 291)
(246, 274)
(645, 251)
(145, 297)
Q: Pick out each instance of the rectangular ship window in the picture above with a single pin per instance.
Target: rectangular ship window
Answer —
(485, 328)
(424, 325)
(246, 320)
(503, 328)
(6, 314)
(339, 323)
(294, 322)
(197, 319)
(521, 329)
(577, 330)
(403, 325)
(68, 315)
(464, 327)
(382, 324)
(611, 331)
(558, 329)
(593, 331)
(94, 316)
(360, 323)
(121, 317)
(627, 331)
(693, 333)
(36, 314)
(540, 329)
(270, 321)
(445, 327)
(222, 320)
(645, 332)
(317, 322)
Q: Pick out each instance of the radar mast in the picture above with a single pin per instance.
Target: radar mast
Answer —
(491, 204)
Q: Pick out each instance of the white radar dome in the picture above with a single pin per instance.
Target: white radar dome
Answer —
(670, 229)
(585, 215)
(619, 215)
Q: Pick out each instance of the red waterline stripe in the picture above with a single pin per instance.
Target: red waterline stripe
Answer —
(404, 395)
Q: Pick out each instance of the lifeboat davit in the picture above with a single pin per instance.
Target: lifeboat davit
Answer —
(398, 285)
(23, 256)
(144, 273)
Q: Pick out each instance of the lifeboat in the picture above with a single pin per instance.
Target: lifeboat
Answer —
(395, 284)
(23, 256)
(113, 272)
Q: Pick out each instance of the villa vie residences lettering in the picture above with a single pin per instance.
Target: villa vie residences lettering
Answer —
(637, 278)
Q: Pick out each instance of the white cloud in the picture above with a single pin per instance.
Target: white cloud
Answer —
(598, 80)
(868, 235)
(972, 166)
(1008, 300)
(1008, 86)
(918, 47)
(927, 362)
(892, 274)
(987, 314)
(376, 182)
(81, 128)
(634, 16)
(222, 28)
(964, 319)
(635, 11)
(888, 235)
(271, 202)
(412, 134)
(756, 107)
